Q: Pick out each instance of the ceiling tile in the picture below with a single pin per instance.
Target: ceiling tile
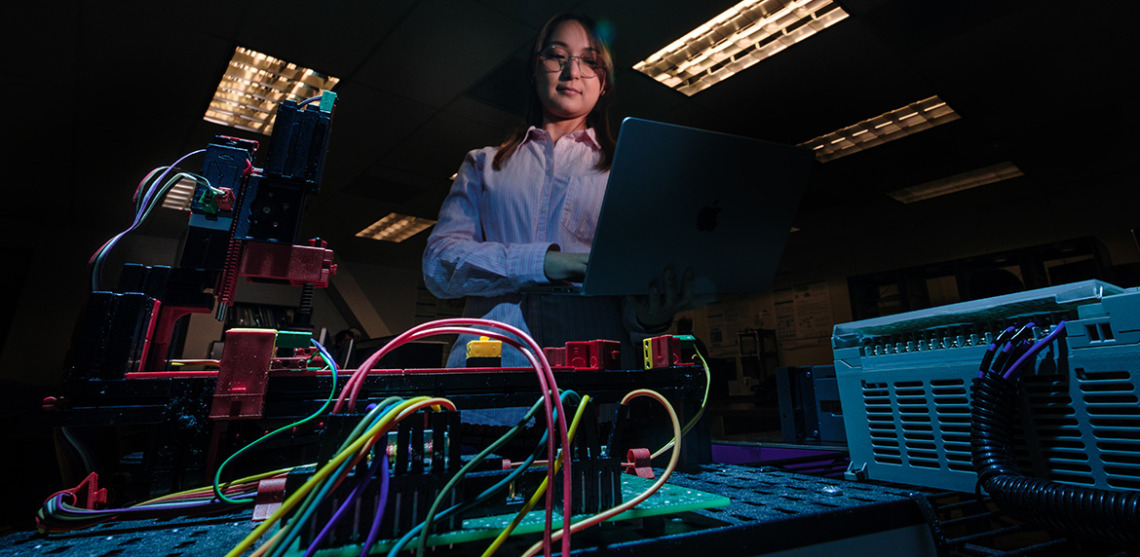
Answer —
(438, 148)
(441, 49)
(330, 37)
(368, 123)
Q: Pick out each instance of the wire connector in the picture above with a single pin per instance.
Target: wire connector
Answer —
(243, 374)
(639, 463)
(484, 353)
(593, 355)
(667, 351)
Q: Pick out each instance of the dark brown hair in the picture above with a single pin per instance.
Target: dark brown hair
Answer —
(598, 118)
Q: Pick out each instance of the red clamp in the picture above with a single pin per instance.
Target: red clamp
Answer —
(270, 496)
(50, 403)
(87, 494)
(225, 200)
(297, 265)
(243, 374)
(555, 355)
(639, 463)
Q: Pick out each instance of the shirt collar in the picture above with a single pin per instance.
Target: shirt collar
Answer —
(587, 136)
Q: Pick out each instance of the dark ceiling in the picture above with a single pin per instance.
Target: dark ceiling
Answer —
(110, 90)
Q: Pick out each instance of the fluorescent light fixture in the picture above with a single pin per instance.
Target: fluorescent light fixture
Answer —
(958, 182)
(901, 122)
(255, 83)
(736, 39)
(395, 228)
(179, 195)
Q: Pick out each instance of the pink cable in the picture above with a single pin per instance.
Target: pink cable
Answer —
(543, 379)
(538, 361)
(637, 500)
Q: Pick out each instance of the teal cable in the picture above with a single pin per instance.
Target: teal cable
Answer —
(332, 393)
(311, 502)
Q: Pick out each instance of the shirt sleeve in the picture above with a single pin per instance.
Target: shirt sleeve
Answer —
(459, 261)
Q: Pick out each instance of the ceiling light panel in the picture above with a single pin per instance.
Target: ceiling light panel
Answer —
(901, 122)
(255, 83)
(736, 39)
(179, 196)
(958, 182)
(395, 228)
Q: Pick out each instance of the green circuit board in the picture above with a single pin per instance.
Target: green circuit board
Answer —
(669, 499)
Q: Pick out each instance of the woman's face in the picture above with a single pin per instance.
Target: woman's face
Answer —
(567, 94)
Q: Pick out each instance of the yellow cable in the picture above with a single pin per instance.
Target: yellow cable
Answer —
(370, 437)
(701, 412)
(209, 490)
(606, 515)
(268, 545)
(506, 533)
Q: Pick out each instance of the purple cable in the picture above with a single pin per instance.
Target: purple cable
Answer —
(989, 357)
(382, 465)
(382, 502)
(1015, 347)
(57, 504)
(150, 191)
(1014, 370)
(98, 258)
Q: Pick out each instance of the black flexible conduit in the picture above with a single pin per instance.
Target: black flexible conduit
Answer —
(1101, 514)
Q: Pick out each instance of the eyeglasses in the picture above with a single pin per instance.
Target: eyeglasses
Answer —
(555, 59)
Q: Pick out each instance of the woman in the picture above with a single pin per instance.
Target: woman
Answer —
(523, 213)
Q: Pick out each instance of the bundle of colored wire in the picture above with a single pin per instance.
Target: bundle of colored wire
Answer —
(58, 515)
(533, 353)
(1105, 514)
(424, 528)
(218, 474)
(379, 465)
(1015, 370)
(325, 479)
(538, 493)
(606, 515)
(146, 198)
(285, 536)
(987, 359)
(307, 509)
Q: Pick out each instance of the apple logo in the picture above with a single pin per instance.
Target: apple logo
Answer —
(706, 218)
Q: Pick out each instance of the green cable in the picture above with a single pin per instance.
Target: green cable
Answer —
(519, 516)
(309, 504)
(332, 393)
(462, 507)
(467, 468)
(141, 193)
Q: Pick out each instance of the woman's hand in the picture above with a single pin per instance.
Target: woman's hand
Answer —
(565, 266)
(665, 299)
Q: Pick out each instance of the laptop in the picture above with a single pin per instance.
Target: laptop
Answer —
(720, 204)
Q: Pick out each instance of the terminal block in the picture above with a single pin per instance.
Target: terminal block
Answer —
(594, 355)
(668, 351)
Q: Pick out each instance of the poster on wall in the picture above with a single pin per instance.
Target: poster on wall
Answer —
(803, 312)
(725, 321)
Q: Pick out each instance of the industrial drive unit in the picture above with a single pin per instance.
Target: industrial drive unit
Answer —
(905, 387)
